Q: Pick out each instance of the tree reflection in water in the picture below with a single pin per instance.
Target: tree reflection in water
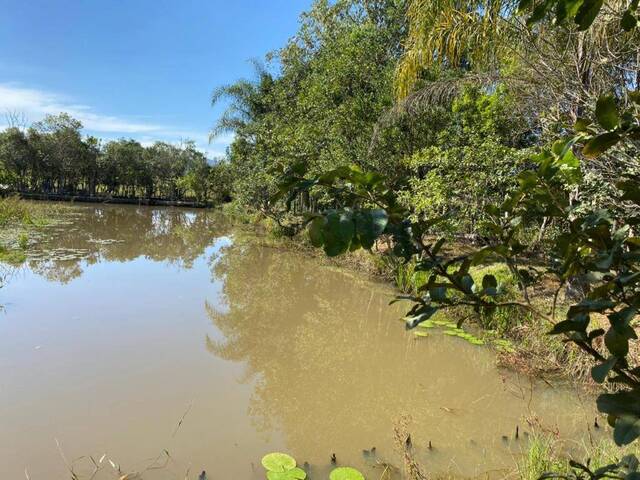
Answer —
(333, 368)
(91, 234)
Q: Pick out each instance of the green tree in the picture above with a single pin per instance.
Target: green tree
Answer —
(599, 246)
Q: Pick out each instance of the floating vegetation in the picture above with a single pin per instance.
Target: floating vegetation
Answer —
(504, 345)
(278, 462)
(280, 466)
(458, 332)
(345, 473)
(427, 324)
(444, 323)
(450, 328)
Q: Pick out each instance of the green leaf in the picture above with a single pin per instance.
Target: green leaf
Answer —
(617, 344)
(567, 9)
(338, 232)
(631, 191)
(568, 326)
(345, 473)
(626, 430)
(607, 112)
(278, 462)
(591, 305)
(438, 245)
(587, 13)
(315, 231)
(489, 281)
(582, 125)
(539, 12)
(438, 294)
(293, 474)
(620, 403)
(524, 5)
(599, 372)
(628, 21)
(620, 320)
(370, 224)
(467, 283)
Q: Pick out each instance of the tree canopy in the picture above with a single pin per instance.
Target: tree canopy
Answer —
(52, 156)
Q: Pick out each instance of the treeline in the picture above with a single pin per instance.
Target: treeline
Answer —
(53, 157)
(450, 101)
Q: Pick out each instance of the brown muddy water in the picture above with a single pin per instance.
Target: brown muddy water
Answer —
(131, 331)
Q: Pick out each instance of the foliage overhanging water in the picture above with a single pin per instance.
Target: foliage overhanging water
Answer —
(133, 330)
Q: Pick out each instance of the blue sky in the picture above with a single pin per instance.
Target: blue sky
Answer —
(143, 69)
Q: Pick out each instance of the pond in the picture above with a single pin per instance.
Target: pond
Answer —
(131, 331)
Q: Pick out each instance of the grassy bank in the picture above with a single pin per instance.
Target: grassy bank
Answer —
(545, 454)
(521, 341)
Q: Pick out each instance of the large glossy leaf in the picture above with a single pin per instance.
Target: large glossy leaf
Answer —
(567, 9)
(370, 224)
(628, 21)
(607, 112)
(338, 232)
(631, 190)
(577, 325)
(600, 144)
(626, 430)
(618, 343)
(315, 231)
(620, 403)
(621, 319)
(599, 372)
(587, 13)
(489, 284)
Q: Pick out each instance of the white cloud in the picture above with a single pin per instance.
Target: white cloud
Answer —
(35, 104)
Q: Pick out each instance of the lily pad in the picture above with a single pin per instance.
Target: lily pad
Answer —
(444, 323)
(421, 334)
(295, 473)
(345, 473)
(427, 324)
(504, 345)
(458, 332)
(278, 462)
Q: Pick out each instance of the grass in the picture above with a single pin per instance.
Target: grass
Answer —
(521, 341)
(539, 458)
(546, 454)
(18, 220)
(14, 211)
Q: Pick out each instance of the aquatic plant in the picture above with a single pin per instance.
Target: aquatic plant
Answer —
(458, 332)
(280, 466)
(504, 345)
(451, 329)
(345, 473)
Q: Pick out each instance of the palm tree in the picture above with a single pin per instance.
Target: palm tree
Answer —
(248, 102)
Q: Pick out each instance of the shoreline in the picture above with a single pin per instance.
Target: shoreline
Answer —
(155, 202)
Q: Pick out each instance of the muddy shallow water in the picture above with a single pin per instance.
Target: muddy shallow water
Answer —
(131, 331)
